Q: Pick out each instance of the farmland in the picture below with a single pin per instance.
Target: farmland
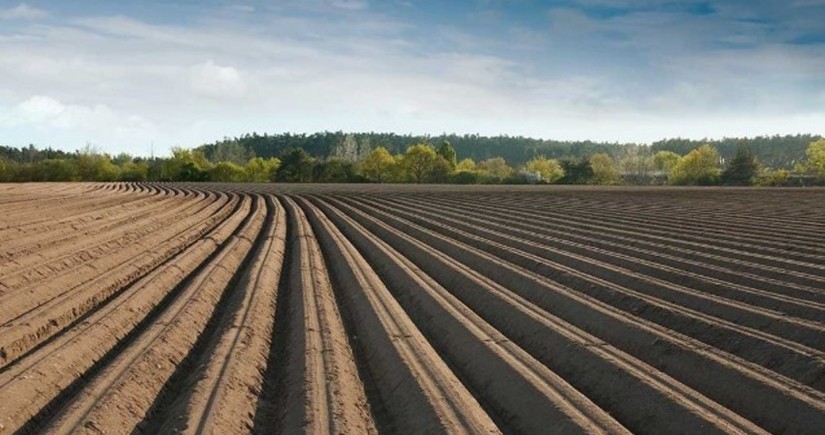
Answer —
(232, 308)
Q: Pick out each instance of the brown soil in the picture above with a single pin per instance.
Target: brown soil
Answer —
(166, 308)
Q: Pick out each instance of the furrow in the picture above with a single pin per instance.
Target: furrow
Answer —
(424, 392)
(523, 395)
(40, 382)
(120, 397)
(697, 364)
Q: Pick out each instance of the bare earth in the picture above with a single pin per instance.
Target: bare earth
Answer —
(359, 309)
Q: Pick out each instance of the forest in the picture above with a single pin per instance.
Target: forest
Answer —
(337, 157)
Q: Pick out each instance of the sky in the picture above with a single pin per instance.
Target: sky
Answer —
(141, 77)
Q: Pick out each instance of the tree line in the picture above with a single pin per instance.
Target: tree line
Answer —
(351, 161)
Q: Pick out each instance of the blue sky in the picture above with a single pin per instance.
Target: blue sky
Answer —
(126, 75)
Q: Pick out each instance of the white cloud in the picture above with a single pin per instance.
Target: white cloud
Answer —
(22, 11)
(353, 5)
(97, 123)
(215, 81)
(124, 82)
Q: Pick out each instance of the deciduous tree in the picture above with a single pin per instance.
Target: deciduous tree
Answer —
(549, 169)
(698, 167)
(496, 169)
(378, 165)
(604, 169)
(815, 162)
(418, 162)
(665, 161)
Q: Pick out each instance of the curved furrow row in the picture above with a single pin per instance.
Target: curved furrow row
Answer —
(50, 263)
(777, 294)
(771, 238)
(76, 206)
(224, 397)
(681, 357)
(803, 269)
(615, 380)
(711, 211)
(120, 396)
(77, 231)
(783, 355)
(45, 378)
(33, 317)
(416, 386)
(271, 308)
(521, 393)
(787, 297)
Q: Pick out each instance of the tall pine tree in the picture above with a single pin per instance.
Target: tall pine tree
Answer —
(742, 168)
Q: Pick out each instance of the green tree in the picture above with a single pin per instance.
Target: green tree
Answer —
(260, 170)
(418, 162)
(134, 171)
(742, 169)
(815, 162)
(665, 161)
(467, 164)
(447, 152)
(576, 171)
(5, 170)
(549, 169)
(231, 151)
(185, 165)
(378, 165)
(92, 165)
(698, 167)
(227, 172)
(604, 169)
(296, 166)
(335, 170)
(495, 169)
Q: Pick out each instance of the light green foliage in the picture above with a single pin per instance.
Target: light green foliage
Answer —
(227, 172)
(378, 165)
(698, 167)
(186, 165)
(604, 169)
(550, 169)
(769, 177)
(466, 165)
(418, 162)
(816, 158)
(95, 166)
(134, 171)
(495, 169)
(4, 170)
(259, 170)
(665, 161)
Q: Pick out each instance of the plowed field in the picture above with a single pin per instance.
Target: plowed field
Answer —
(150, 308)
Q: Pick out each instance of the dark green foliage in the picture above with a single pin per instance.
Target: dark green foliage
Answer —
(779, 152)
(297, 166)
(742, 169)
(576, 171)
(191, 172)
(465, 177)
(447, 152)
(335, 171)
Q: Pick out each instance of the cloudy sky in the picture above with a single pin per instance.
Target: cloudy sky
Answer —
(125, 76)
